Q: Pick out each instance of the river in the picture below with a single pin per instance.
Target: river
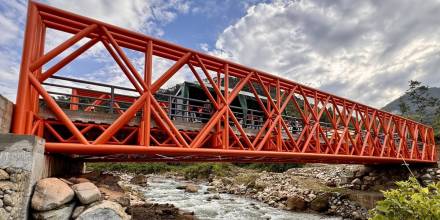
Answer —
(163, 190)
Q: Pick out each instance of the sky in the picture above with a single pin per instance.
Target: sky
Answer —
(366, 51)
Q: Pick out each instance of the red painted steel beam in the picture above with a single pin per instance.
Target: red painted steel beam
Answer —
(172, 151)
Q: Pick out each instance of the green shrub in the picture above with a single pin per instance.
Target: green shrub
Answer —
(189, 170)
(271, 167)
(409, 201)
(145, 168)
(204, 170)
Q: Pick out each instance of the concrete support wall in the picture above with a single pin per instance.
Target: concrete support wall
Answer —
(22, 164)
(6, 108)
(22, 159)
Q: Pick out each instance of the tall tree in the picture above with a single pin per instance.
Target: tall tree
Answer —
(421, 99)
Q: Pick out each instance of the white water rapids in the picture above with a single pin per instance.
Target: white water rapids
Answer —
(231, 207)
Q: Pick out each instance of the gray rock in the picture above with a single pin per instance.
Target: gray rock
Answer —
(78, 210)
(295, 203)
(51, 193)
(140, 180)
(105, 210)
(12, 170)
(191, 188)
(86, 192)
(62, 213)
(124, 200)
(8, 208)
(17, 177)
(6, 185)
(426, 177)
(363, 171)
(3, 175)
(355, 215)
(181, 187)
(8, 201)
(331, 183)
(1, 203)
(356, 181)
(216, 197)
(364, 187)
(321, 203)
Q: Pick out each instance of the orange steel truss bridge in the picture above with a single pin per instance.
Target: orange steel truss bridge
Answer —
(291, 123)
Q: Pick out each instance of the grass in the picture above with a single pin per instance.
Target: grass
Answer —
(189, 170)
(145, 168)
(270, 167)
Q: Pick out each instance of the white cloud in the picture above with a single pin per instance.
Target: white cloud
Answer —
(204, 47)
(363, 50)
(143, 16)
(140, 15)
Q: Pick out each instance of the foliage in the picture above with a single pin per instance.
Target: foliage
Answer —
(189, 170)
(271, 167)
(409, 201)
(204, 170)
(403, 107)
(420, 98)
(145, 168)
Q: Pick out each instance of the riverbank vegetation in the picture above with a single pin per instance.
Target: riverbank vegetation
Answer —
(409, 201)
(421, 103)
(189, 170)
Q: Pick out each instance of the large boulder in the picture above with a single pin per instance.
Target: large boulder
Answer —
(115, 196)
(191, 188)
(321, 202)
(105, 210)
(86, 192)
(62, 213)
(140, 180)
(76, 180)
(51, 193)
(296, 203)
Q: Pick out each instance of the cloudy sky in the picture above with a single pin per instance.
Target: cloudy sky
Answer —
(363, 50)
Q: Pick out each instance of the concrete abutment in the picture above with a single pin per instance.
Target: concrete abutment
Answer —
(22, 164)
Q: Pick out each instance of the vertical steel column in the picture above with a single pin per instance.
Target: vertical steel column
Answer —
(40, 52)
(226, 115)
(218, 128)
(112, 99)
(279, 132)
(147, 108)
(23, 99)
(74, 99)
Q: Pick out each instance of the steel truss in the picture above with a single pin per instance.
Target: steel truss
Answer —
(358, 133)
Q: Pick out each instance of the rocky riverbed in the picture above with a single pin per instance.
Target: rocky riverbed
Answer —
(348, 191)
(97, 196)
(194, 197)
(312, 192)
(319, 189)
